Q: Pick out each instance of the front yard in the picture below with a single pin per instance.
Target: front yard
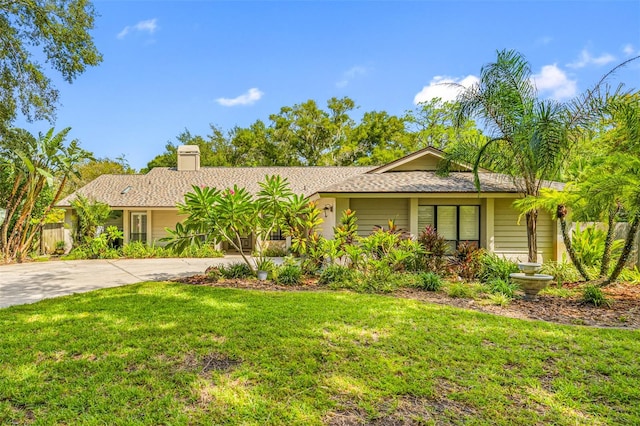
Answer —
(158, 353)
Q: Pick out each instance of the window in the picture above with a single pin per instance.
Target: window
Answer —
(277, 236)
(454, 223)
(138, 227)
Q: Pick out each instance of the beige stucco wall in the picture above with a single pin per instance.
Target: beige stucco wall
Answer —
(375, 211)
(510, 239)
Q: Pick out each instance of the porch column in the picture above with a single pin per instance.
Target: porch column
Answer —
(489, 237)
(150, 228)
(413, 217)
(126, 225)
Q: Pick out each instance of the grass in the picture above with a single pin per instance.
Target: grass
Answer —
(158, 353)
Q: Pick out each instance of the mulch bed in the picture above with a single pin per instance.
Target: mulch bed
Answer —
(624, 311)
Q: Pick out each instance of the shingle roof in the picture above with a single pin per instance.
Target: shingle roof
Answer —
(164, 187)
(426, 182)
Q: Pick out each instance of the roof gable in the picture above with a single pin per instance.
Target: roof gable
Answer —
(425, 160)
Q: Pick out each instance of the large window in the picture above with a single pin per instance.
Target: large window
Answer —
(454, 223)
(138, 227)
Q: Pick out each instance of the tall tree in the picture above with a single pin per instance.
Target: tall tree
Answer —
(527, 137)
(55, 30)
(32, 167)
(312, 134)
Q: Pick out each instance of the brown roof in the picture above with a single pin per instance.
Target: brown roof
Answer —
(164, 187)
(426, 182)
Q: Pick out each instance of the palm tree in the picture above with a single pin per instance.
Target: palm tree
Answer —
(623, 165)
(528, 137)
(555, 202)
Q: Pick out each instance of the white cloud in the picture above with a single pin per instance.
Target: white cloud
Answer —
(445, 88)
(587, 59)
(629, 50)
(554, 81)
(350, 74)
(149, 26)
(252, 96)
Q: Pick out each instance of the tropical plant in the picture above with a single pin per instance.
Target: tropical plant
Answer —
(288, 275)
(336, 274)
(589, 244)
(506, 287)
(495, 267)
(228, 215)
(429, 281)
(236, 270)
(91, 214)
(529, 138)
(555, 202)
(466, 260)
(34, 172)
(594, 295)
(435, 249)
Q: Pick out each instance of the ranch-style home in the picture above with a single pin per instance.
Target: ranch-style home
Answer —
(407, 190)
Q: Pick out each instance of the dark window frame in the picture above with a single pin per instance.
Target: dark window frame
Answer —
(457, 241)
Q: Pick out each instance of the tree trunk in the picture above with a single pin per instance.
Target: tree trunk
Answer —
(532, 219)
(572, 253)
(608, 243)
(626, 251)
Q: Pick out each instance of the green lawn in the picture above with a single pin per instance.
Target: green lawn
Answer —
(158, 353)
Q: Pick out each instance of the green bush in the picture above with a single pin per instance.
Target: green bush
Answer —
(288, 275)
(494, 267)
(429, 281)
(498, 299)
(235, 270)
(435, 248)
(466, 261)
(463, 290)
(336, 274)
(593, 295)
(588, 244)
(500, 286)
(137, 250)
(562, 271)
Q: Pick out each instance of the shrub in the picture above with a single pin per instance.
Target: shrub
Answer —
(466, 261)
(336, 274)
(435, 247)
(429, 281)
(137, 250)
(463, 290)
(498, 299)
(593, 295)
(630, 275)
(235, 270)
(500, 286)
(288, 275)
(274, 251)
(561, 271)
(494, 267)
(588, 244)
(213, 273)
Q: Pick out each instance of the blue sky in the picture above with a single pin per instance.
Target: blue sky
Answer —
(171, 65)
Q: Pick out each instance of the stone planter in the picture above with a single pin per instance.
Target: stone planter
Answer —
(262, 275)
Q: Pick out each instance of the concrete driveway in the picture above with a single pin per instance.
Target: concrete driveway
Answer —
(31, 282)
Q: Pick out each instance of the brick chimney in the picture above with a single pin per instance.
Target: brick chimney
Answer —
(188, 157)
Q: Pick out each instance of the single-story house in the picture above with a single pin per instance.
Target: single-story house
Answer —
(407, 190)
